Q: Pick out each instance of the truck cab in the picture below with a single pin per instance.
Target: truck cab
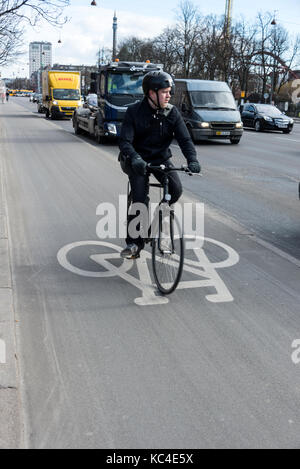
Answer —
(117, 85)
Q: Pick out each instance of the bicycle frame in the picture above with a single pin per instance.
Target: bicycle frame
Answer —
(165, 201)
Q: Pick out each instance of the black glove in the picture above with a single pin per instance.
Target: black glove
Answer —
(138, 165)
(194, 166)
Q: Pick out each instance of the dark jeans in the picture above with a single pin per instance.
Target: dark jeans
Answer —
(140, 189)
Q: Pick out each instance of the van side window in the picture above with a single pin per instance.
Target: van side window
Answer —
(186, 100)
(177, 98)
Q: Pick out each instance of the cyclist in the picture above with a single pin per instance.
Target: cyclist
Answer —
(147, 132)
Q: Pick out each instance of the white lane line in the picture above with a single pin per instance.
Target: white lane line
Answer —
(2, 352)
(288, 139)
(277, 251)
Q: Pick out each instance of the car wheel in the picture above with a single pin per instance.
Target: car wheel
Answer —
(286, 131)
(235, 141)
(257, 126)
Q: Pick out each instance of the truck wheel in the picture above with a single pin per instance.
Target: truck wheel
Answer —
(77, 129)
(99, 138)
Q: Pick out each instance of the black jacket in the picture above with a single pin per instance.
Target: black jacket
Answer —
(149, 133)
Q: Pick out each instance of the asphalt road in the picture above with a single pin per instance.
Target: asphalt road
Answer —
(107, 363)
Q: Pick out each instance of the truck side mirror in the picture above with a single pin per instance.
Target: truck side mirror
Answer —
(94, 76)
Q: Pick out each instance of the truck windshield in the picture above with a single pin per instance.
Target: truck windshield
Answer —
(213, 99)
(66, 95)
(125, 83)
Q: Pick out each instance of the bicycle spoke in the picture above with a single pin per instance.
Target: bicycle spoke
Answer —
(167, 263)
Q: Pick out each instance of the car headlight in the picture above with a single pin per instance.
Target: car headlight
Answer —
(239, 125)
(291, 121)
(112, 129)
(204, 125)
(267, 118)
(55, 103)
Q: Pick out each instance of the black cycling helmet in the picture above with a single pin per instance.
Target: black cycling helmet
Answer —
(157, 80)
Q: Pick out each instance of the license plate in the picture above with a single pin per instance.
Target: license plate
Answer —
(222, 133)
(282, 126)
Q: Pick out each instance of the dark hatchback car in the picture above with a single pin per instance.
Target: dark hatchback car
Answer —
(266, 117)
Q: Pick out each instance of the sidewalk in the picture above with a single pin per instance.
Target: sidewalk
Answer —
(9, 392)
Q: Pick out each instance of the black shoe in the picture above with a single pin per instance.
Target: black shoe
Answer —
(132, 251)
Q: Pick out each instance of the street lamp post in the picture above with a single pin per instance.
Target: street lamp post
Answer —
(273, 23)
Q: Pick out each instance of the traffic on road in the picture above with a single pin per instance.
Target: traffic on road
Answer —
(105, 359)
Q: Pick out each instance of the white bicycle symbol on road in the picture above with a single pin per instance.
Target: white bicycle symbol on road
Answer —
(202, 269)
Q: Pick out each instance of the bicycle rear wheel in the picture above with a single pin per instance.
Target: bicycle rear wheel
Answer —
(167, 253)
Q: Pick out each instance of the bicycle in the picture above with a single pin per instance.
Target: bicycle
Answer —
(165, 234)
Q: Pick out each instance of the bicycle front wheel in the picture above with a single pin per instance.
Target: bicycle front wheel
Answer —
(168, 254)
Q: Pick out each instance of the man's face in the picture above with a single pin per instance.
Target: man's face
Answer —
(164, 96)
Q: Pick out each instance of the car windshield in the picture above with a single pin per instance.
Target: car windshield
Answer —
(213, 99)
(66, 95)
(268, 110)
(125, 83)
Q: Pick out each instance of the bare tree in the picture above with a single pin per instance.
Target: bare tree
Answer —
(165, 47)
(33, 10)
(13, 14)
(196, 47)
(10, 39)
(245, 46)
(135, 49)
(188, 30)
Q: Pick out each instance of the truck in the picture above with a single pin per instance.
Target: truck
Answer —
(208, 109)
(117, 85)
(61, 93)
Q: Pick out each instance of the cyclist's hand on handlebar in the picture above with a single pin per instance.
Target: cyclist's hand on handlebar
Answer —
(194, 166)
(139, 165)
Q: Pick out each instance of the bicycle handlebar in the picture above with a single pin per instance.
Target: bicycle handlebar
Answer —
(167, 169)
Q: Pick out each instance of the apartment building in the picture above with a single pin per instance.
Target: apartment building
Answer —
(40, 56)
